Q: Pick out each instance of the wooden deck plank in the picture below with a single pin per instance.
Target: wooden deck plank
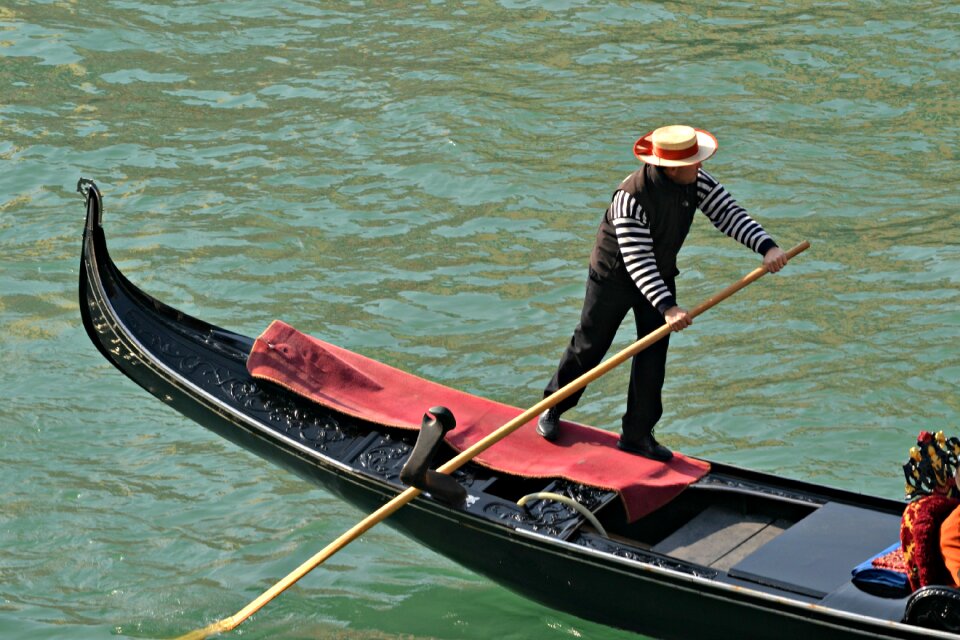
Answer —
(712, 535)
(751, 544)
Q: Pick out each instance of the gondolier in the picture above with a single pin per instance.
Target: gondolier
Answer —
(634, 265)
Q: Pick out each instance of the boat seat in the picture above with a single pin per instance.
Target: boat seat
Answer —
(814, 557)
(851, 599)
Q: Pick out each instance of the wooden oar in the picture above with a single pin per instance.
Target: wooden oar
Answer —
(394, 505)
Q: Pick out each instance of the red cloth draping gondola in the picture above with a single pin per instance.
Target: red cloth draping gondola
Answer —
(364, 388)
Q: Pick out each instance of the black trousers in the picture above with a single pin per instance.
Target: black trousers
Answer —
(605, 305)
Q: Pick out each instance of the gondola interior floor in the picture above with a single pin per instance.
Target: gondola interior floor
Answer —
(720, 537)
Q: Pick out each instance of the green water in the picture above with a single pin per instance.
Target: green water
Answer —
(422, 184)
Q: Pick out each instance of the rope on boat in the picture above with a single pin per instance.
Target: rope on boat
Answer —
(570, 502)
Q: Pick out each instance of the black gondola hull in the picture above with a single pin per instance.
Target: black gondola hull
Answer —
(199, 370)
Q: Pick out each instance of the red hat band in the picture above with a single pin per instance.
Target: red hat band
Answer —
(645, 147)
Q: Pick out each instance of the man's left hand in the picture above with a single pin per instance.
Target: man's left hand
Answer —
(774, 259)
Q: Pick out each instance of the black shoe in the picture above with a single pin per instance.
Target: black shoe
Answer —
(548, 426)
(646, 446)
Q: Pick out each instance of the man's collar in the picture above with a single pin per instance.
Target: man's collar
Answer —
(659, 179)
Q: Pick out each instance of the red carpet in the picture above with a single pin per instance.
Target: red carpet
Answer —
(372, 391)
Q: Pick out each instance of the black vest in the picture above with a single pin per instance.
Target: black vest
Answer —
(669, 208)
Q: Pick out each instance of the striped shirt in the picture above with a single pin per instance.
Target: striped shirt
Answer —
(636, 244)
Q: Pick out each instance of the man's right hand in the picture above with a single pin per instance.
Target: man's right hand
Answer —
(678, 318)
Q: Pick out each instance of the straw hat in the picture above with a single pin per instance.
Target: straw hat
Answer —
(675, 146)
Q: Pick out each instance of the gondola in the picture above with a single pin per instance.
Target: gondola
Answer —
(737, 554)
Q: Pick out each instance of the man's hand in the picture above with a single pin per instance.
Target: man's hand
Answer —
(677, 318)
(774, 259)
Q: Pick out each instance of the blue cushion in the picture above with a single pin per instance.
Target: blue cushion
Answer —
(881, 582)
